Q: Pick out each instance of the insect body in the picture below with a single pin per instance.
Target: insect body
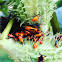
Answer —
(38, 32)
(35, 18)
(21, 39)
(11, 36)
(56, 43)
(27, 32)
(41, 42)
(38, 35)
(34, 39)
(35, 45)
(15, 39)
(29, 28)
(61, 38)
(21, 34)
(28, 37)
(34, 26)
(17, 34)
(41, 59)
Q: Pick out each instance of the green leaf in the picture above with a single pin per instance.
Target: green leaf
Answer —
(5, 10)
(55, 24)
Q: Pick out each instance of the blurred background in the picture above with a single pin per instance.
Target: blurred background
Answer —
(57, 19)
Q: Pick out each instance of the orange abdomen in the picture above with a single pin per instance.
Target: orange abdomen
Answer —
(35, 45)
(21, 39)
(57, 45)
(17, 33)
(41, 42)
(15, 39)
(35, 19)
(29, 28)
(28, 37)
(21, 34)
(38, 35)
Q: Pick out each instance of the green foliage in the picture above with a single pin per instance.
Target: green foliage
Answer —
(4, 56)
(55, 24)
(3, 9)
(59, 3)
(27, 9)
(2, 1)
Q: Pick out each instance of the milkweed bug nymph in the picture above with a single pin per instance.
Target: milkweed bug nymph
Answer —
(36, 18)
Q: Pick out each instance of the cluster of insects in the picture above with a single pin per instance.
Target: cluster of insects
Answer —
(31, 33)
(57, 39)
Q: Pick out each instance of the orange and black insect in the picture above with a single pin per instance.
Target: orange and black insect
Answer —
(31, 37)
(27, 32)
(41, 42)
(17, 34)
(21, 34)
(37, 39)
(38, 35)
(31, 29)
(34, 26)
(15, 39)
(38, 31)
(10, 36)
(40, 25)
(42, 38)
(34, 39)
(60, 37)
(21, 39)
(56, 43)
(41, 59)
(35, 45)
(28, 37)
(36, 18)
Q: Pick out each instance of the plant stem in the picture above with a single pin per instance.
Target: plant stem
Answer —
(8, 28)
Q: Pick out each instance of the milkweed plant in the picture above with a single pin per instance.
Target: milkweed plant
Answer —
(26, 10)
